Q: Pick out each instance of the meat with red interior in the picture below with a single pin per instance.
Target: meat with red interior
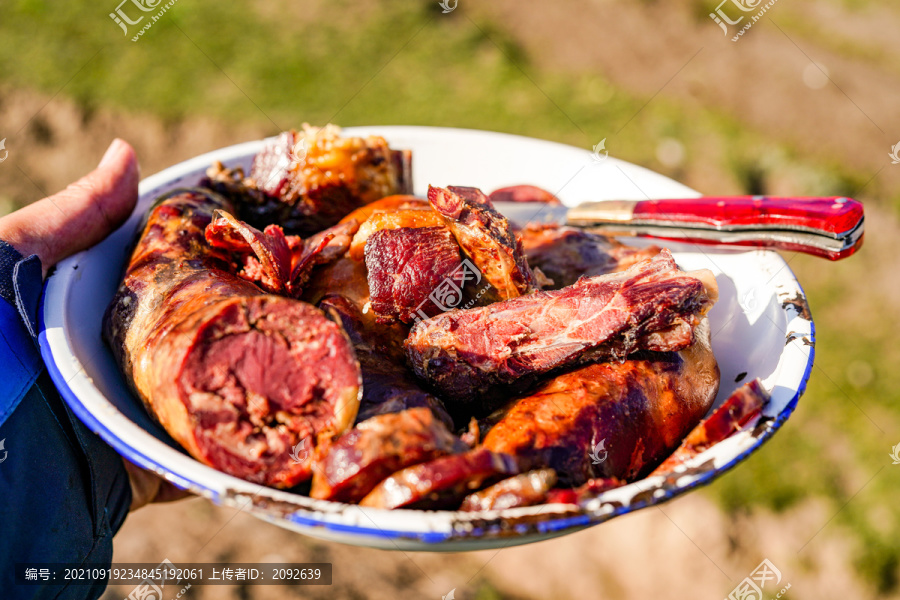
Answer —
(441, 483)
(377, 447)
(413, 273)
(241, 379)
(487, 239)
(610, 420)
(468, 355)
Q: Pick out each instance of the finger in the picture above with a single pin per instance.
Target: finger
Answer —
(147, 487)
(79, 216)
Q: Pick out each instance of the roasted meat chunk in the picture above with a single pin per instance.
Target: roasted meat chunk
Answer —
(523, 193)
(564, 254)
(610, 420)
(466, 355)
(306, 181)
(388, 386)
(377, 447)
(441, 483)
(526, 489)
(413, 273)
(487, 240)
(744, 404)
(239, 378)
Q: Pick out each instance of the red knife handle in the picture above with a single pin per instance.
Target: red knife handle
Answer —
(834, 217)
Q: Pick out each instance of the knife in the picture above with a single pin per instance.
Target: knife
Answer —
(827, 227)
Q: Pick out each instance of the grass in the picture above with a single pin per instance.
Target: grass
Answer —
(283, 68)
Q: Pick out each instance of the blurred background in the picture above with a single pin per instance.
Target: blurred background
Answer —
(804, 103)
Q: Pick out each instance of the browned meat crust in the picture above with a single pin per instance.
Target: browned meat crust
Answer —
(441, 483)
(306, 181)
(566, 253)
(526, 489)
(241, 379)
(468, 355)
(377, 447)
(487, 239)
(629, 415)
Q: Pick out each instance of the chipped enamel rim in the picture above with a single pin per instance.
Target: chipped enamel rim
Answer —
(773, 336)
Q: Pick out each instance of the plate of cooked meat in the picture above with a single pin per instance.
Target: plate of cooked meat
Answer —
(350, 334)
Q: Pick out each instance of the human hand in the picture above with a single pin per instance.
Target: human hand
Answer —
(76, 218)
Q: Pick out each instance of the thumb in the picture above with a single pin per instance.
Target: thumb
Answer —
(79, 216)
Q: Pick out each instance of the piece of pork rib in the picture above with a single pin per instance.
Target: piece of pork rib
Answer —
(487, 239)
(468, 356)
(413, 273)
(566, 253)
(378, 447)
(610, 420)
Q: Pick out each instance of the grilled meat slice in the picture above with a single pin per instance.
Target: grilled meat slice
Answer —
(378, 447)
(566, 253)
(487, 240)
(441, 483)
(467, 356)
(610, 420)
(413, 273)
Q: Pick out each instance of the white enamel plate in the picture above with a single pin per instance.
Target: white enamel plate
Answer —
(761, 328)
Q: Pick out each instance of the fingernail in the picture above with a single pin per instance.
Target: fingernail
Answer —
(112, 152)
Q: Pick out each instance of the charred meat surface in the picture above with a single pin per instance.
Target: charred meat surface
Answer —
(566, 253)
(306, 181)
(526, 489)
(378, 447)
(487, 239)
(388, 386)
(610, 420)
(744, 404)
(441, 483)
(239, 378)
(408, 268)
(467, 355)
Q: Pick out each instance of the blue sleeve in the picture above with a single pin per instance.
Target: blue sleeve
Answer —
(63, 492)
